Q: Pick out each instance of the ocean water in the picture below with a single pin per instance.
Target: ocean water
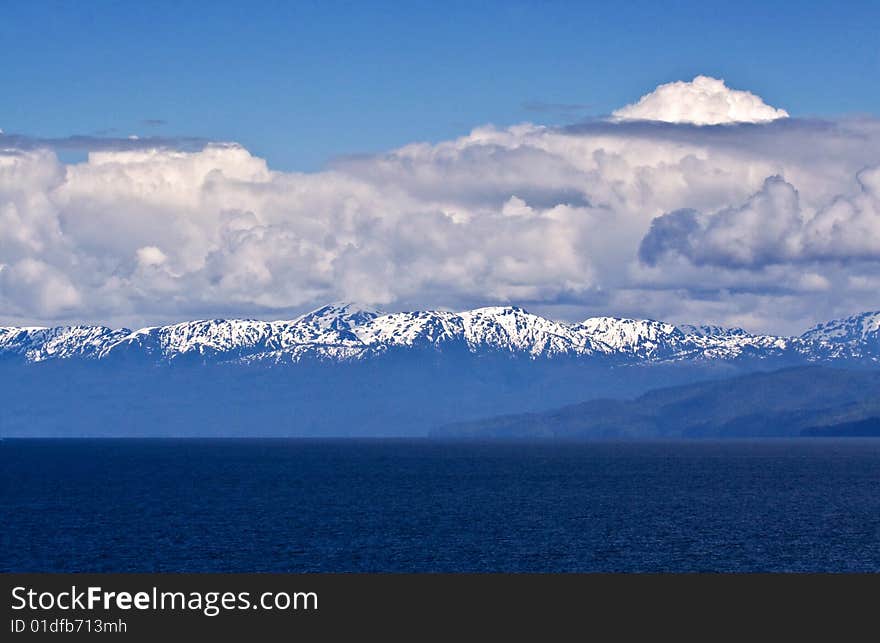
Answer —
(391, 506)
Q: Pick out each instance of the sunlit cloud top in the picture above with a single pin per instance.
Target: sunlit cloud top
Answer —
(702, 101)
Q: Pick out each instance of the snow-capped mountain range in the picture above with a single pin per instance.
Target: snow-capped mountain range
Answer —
(345, 332)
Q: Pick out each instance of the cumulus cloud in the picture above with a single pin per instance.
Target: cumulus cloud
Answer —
(702, 101)
(764, 225)
(761, 231)
(772, 228)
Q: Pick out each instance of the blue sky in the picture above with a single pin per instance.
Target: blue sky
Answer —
(300, 83)
(754, 203)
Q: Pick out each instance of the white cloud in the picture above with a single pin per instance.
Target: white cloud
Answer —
(761, 231)
(150, 256)
(771, 228)
(702, 101)
(549, 218)
(39, 286)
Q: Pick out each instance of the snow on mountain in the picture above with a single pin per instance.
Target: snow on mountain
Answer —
(637, 337)
(856, 337)
(710, 330)
(37, 344)
(341, 332)
(413, 329)
(513, 329)
(343, 315)
(203, 337)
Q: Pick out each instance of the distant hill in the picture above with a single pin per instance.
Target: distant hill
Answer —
(869, 427)
(791, 402)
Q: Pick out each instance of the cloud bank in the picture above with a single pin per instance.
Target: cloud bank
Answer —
(769, 225)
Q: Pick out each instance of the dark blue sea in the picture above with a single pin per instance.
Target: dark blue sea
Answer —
(422, 506)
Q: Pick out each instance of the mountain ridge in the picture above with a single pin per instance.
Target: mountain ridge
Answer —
(345, 332)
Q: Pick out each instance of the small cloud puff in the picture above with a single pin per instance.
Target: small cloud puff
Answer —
(151, 256)
(703, 101)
